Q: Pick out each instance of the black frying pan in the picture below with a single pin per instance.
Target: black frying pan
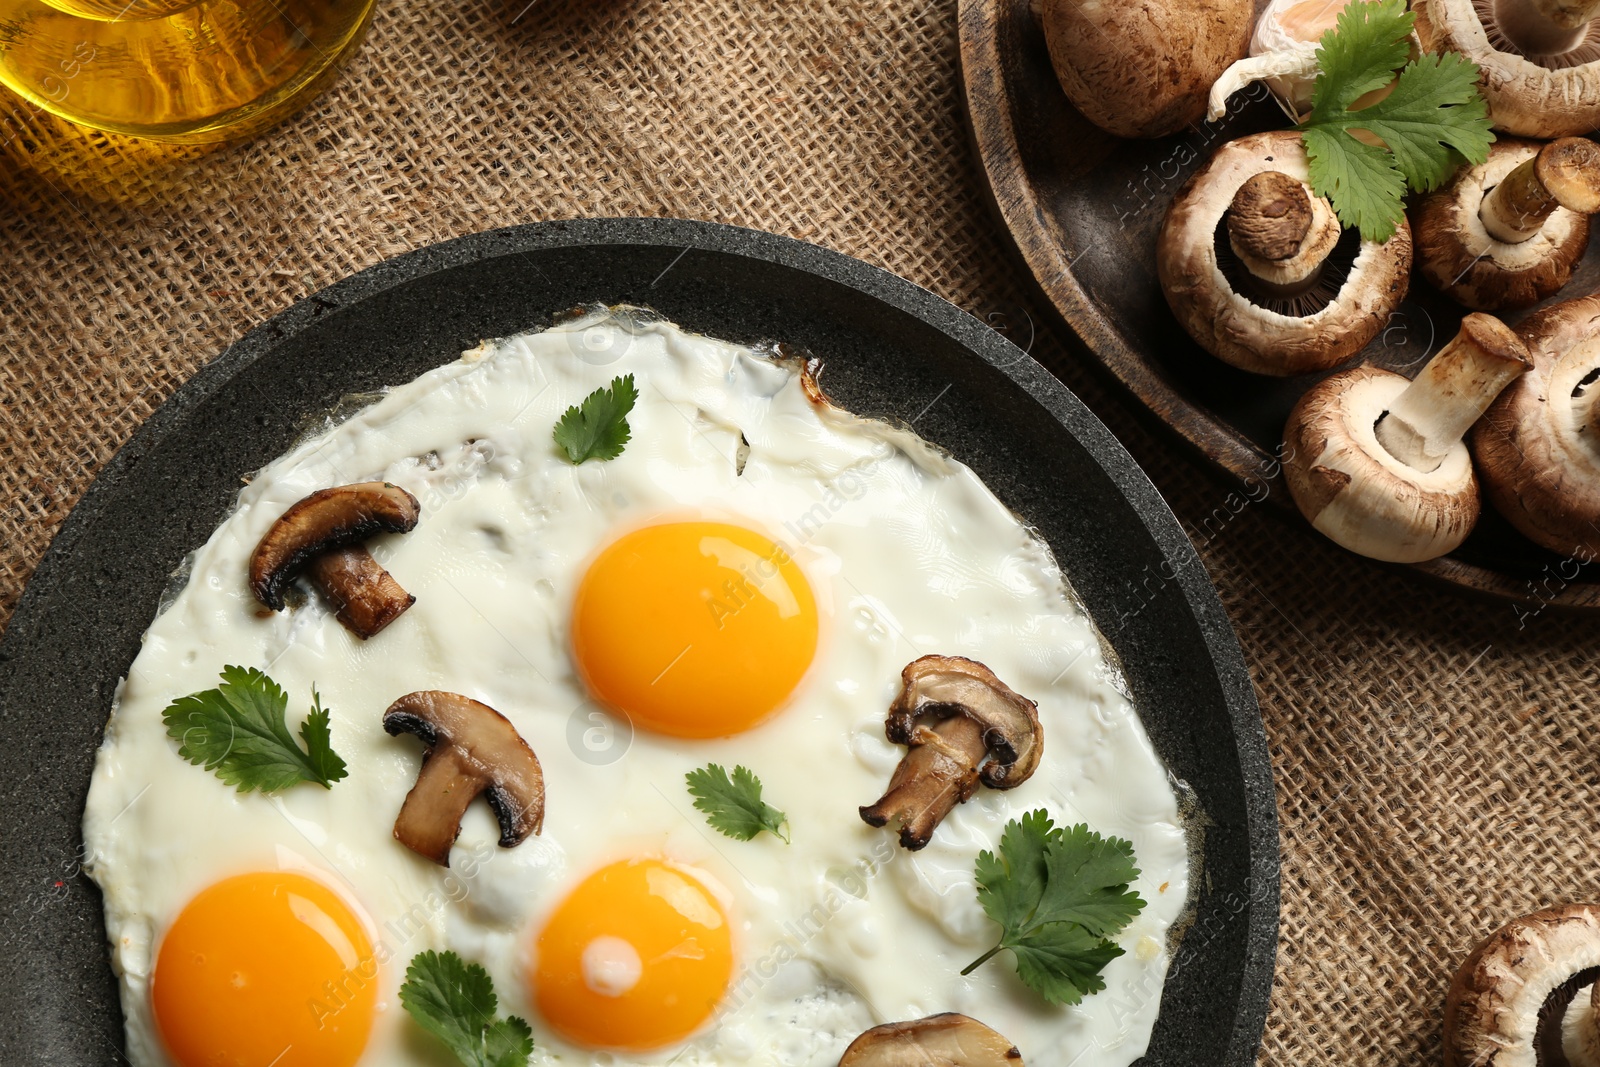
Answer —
(890, 348)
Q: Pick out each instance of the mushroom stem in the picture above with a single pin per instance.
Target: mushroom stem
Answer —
(365, 597)
(1545, 27)
(934, 776)
(1280, 232)
(1435, 411)
(1565, 173)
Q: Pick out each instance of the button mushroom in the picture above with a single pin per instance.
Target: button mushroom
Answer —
(323, 535)
(1258, 271)
(472, 749)
(1538, 445)
(1143, 68)
(961, 725)
(1283, 55)
(1377, 463)
(946, 1040)
(1505, 1004)
(1537, 59)
(1508, 232)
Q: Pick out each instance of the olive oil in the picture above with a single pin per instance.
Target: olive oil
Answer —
(175, 70)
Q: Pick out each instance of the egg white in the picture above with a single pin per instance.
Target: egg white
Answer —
(908, 554)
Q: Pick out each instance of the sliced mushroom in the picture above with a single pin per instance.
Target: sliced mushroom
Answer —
(322, 534)
(1377, 463)
(1505, 1005)
(1273, 314)
(1143, 68)
(946, 1040)
(1508, 232)
(472, 749)
(1538, 445)
(1537, 59)
(962, 725)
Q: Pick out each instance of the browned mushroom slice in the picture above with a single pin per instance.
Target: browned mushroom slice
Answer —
(962, 725)
(472, 749)
(1506, 1003)
(323, 534)
(947, 1040)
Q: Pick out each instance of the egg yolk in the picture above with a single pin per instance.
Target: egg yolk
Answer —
(264, 969)
(636, 957)
(695, 629)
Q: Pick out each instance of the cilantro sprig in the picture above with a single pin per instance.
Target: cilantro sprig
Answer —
(598, 428)
(237, 730)
(455, 1002)
(1059, 896)
(733, 806)
(1434, 119)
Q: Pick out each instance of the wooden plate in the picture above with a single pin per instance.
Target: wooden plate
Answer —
(1084, 209)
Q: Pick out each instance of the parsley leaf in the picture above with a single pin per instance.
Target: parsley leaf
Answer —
(734, 807)
(1434, 118)
(238, 731)
(599, 427)
(455, 1002)
(1059, 895)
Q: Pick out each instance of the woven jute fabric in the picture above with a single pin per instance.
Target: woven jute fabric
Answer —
(1435, 761)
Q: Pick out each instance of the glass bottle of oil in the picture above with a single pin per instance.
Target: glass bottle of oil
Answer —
(175, 70)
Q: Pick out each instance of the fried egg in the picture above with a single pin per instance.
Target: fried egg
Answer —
(742, 585)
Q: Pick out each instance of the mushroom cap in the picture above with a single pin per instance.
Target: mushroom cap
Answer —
(1536, 446)
(945, 1040)
(325, 520)
(1524, 97)
(1143, 68)
(949, 685)
(1234, 328)
(1354, 491)
(472, 749)
(1458, 257)
(1491, 1014)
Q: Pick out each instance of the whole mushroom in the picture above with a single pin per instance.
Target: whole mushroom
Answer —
(1377, 463)
(1143, 68)
(1508, 232)
(323, 535)
(1247, 259)
(945, 1040)
(1538, 59)
(1538, 445)
(1283, 55)
(961, 725)
(1505, 1004)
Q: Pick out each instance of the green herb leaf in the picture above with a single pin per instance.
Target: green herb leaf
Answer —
(1430, 123)
(1360, 180)
(598, 428)
(455, 1002)
(237, 730)
(1059, 895)
(734, 806)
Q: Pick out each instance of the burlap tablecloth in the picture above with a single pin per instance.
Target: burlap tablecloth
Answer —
(1435, 764)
